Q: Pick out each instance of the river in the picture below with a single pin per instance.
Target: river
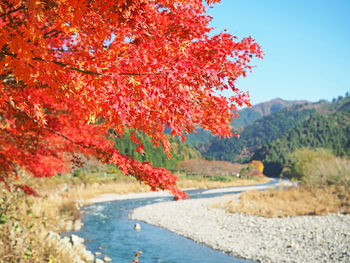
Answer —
(107, 229)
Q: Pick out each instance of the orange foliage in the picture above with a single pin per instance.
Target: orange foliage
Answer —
(258, 165)
(72, 71)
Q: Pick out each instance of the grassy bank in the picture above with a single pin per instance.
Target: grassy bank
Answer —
(200, 182)
(324, 187)
(291, 202)
(25, 220)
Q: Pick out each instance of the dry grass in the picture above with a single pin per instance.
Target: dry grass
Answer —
(203, 182)
(22, 232)
(324, 187)
(209, 168)
(292, 202)
(61, 198)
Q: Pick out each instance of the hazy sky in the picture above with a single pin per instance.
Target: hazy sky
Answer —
(306, 45)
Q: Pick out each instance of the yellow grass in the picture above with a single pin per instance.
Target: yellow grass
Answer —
(203, 183)
(292, 202)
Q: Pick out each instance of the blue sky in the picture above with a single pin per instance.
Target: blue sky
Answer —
(306, 45)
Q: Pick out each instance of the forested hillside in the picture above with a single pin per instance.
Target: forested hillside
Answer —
(179, 151)
(255, 135)
(272, 138)
(201, 136)
(249, 115)
(246, 116)
(327, 130)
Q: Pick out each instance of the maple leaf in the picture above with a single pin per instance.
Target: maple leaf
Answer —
(67, 65)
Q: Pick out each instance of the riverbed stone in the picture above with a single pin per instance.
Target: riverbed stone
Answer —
(69, 225)
(88, 256)
(76, 240)
(77, 225)
(107, 259)
(306, 239)
(137, 227)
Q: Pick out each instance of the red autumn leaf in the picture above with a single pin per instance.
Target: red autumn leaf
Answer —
(64, 65)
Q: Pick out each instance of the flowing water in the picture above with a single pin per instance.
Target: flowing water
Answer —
(108, 229)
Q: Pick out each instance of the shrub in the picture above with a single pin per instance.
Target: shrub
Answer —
(318, 168)
(220, 178)
(253, 169)
(258, 166)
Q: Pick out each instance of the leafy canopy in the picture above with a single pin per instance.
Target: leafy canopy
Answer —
(73, 69)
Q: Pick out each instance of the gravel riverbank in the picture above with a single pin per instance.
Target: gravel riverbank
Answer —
(298, 239)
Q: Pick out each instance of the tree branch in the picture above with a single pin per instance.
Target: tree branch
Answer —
(62, 50)
(83, 70)
(12, 11)
(52, 33)
(48, 129)
(8, 54)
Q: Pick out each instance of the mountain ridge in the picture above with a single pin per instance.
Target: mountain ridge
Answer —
(257, 111)
(271, 138)
(246, 117)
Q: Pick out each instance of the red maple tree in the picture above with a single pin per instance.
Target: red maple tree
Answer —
(70, 70)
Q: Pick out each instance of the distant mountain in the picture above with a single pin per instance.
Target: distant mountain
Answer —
(328, 128)
(271, 137)
(253, 136)
(340, 105)
(249, 115)
(246, 117)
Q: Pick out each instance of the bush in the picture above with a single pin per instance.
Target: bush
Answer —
(253, 169)
(220, 178)
(318, 168)
(259, 166)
